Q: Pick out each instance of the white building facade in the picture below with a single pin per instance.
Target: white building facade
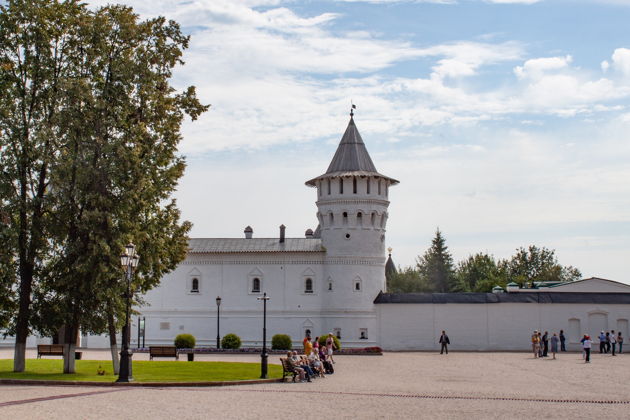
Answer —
(333, 280)
(323, 282)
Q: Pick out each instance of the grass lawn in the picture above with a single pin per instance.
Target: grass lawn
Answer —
(143, 371)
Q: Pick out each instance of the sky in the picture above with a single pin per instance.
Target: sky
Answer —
(506, 121)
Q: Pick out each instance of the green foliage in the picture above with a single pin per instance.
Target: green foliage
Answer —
(479, 273)
(89, 129)
(407, 280)
(322, 341)
(185, 341)
(281, 342)
(434, 271)
(538, 264)
(231, 341)
(436, 265)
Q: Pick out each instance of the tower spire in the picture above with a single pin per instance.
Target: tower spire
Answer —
(352, 108)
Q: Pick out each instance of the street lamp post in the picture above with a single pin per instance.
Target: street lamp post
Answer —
(263, 355)
(218, 335)
(129, 262)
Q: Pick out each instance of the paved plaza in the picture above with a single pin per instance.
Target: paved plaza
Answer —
(392, 386)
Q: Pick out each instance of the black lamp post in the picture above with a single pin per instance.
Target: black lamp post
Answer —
(263, 355)
(129, 262)
(218, 335)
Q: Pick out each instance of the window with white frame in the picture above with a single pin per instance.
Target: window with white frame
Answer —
(193, 282)
(308, 285)
(337, 332)
(255, 281)
(255, 285)
(356, 284)
(194, 285)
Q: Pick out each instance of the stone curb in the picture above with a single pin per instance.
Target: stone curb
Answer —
(136, 384)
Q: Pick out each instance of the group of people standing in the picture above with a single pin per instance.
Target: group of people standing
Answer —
(608, 342)
(540, 343)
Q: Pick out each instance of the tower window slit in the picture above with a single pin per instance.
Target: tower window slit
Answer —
(368, 184)
(340, 185)
(354, 185)
(379, 187)
(328, 186)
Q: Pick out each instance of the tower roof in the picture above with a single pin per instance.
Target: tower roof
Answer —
(351, 158)
(351, 154)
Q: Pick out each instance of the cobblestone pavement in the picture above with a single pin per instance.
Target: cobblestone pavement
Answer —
(393, 386)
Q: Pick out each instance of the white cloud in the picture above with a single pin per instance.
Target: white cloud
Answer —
(621, 61)
(537, 67)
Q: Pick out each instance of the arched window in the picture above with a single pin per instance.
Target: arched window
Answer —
(330, 286)
(354, 185)
(194, 285)
(331, 219)
(340, 185)
(255, 285)
(359, 219)
(308, 285)
(357, 285)
(373, 218)
(345, 218)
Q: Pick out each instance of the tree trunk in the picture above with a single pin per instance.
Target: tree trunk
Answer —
(69, 347)
(112, 343)
(26, 280)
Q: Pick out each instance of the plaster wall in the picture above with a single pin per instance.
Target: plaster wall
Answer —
(498, 326)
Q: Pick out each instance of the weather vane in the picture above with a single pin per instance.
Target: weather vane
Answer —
(353, 107)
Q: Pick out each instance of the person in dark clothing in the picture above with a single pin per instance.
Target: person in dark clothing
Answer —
(562, 340)
(444, 341)
(607, 343)
(545, 340)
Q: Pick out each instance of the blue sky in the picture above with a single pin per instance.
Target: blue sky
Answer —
(506, 121)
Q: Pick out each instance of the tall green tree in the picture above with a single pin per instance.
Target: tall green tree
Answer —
(534, 264)
(115, 166)
(36, 37)
(407, 280)
(436, 265)
(479, 273)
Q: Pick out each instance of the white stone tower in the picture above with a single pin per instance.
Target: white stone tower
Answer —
(352, 202)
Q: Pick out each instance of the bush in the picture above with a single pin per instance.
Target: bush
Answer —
(185, 341)
(231, 341)
(322, 341)
(281, 342)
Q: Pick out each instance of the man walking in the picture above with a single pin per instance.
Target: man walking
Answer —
(613, 341)
(444, 341)
(562, 340)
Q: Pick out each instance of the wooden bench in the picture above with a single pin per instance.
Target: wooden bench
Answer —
(287, 369)
(163, 351)
(49, 350)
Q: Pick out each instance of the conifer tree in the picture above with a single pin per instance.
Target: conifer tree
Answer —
(436, 265)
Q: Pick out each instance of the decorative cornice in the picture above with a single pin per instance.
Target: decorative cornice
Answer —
(353, 201)
(371, 261)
